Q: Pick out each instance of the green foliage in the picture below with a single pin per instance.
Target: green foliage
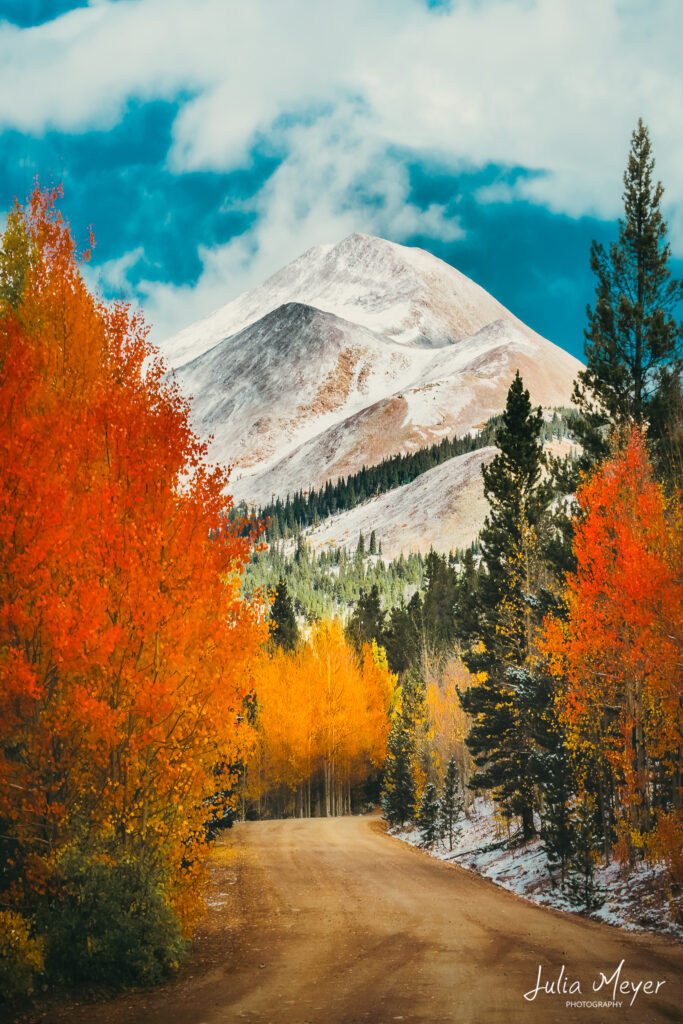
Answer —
(581, 887)
(367, 621)
(110, 923)
(428, 816)
(450, 802)
(285, 631)
(633, 343)
(551, 770)
(507, 608)
(15, 256)
(400, 768)
(398, 790)
(426, 630)
(21, 956)
(329, 583)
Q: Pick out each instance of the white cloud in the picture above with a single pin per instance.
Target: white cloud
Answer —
(542, 84)
(112, 275)
(319, 193)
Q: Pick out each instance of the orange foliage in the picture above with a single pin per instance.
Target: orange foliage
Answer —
(620, 650)
(448, 721)
(125, 648)
(323, 718)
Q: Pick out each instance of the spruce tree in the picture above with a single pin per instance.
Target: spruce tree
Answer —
(367, 621)
(438, 603)
(285, 631)
(581, 887)
(398, 789)
(633, 343)
(466, 622)
(500, 738)
(450, 804)
(405, 749)
(551, 769)
(428, 816)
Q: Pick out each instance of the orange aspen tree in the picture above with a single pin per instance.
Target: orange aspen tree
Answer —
(126, 651)
(618, 655)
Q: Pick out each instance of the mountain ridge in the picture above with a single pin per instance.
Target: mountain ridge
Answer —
(408, 351)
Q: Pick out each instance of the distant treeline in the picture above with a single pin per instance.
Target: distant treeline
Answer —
(331, 582)
(306, 508)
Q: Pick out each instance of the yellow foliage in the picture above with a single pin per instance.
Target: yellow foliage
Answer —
(21, 956)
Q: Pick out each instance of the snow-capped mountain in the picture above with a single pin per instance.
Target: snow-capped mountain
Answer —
(401, 293)
(349, 354)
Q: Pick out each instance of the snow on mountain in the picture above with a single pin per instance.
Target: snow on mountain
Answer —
(450, 391)
(443, 508)
(403, 293)
(348, 355)
(286, 378)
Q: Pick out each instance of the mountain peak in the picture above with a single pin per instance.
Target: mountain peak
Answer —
(401, 293)
(351, 353)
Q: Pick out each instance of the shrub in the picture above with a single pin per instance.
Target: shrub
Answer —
(110, 924)
(21, 956)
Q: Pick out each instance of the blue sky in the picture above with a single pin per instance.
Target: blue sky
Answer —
(208, 142)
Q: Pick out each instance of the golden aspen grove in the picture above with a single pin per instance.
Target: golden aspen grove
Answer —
(323, 724)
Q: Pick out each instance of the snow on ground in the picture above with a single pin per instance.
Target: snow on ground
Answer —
(637, 901)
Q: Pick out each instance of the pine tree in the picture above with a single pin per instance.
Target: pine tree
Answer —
(398, 790)
(450, 804)
(551, 769)
(500, 737)
(404, 769)
(373, 543)
(367, 621)
(438, 603)
(285, 633)
(633, 344)
(428, 816)
(466, 602)
(581, 886)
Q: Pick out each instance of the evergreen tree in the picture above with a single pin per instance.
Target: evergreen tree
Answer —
(551, 770)
(402, 636)
(466, 602)
(633, 344)
(404, 764)
(428, 816)
(450, 804)
(373, 543)
(438, 604)
(398, 790)
(500, 738)
(367, 621)
(581, 886)
(285, 632)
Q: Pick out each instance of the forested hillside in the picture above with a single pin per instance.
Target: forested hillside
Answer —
(308, 508)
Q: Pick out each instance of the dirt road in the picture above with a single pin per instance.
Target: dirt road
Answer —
(331, 920)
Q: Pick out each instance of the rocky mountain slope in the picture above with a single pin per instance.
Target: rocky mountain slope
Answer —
(349, 354)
